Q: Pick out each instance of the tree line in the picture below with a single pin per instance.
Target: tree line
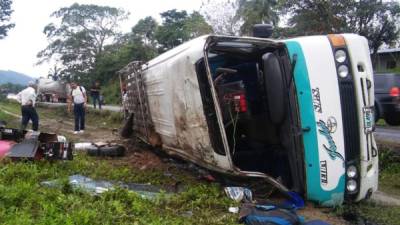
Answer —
(86, 44)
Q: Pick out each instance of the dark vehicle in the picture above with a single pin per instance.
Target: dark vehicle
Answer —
(387, 97)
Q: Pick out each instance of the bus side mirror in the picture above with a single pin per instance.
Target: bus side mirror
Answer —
(263, 30)
(274, 88)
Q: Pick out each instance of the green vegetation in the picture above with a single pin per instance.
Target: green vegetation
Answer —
(9, 88)
(10, 106)
(112, 93)
(389, 174)
(24, 201)
(101, 119)
(10, 120)
(5, 17)
(378, 214)
(389, 171)
(87, 44)
(381, 122)
(395, 70)
(80, 37)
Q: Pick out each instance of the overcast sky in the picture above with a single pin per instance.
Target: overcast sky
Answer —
(18, 50)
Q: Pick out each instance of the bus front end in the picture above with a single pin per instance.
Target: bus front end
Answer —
(335, 91)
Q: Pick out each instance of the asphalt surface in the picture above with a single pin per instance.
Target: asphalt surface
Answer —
(388, 135)
(113, 108)
(382, 134)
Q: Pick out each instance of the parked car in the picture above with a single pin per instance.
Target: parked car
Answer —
(387, 98)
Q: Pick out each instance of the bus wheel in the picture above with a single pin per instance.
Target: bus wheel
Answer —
(377, 114)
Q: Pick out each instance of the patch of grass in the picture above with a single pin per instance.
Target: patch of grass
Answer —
(389, 165)
(101, 119)
(389, 176)
(112, 93)
(104, 118)
(11, 106)
(365, 211)
(381, 122)
(10, 120)
(24, 201)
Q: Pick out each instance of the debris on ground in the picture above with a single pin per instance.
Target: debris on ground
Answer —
(239, 194)
(33, 145)
(354, 217)
(316, 222)
(265, 212)
(270, 213)
(5, 147)
(101, 149)
(96, 187)
(294, 200)
(233, 210)
(252, 214)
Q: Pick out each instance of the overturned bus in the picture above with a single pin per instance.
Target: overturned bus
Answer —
(296, 112)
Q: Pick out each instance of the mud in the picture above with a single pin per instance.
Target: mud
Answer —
(310, 212)
(142, 157)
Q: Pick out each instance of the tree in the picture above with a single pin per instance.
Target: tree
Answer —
(115, 57)
(5, 16)
(374, 19)
(178, 27)
(144, 31)
(196, 25)
(79, 37)
(257, 11)
(222, 16)
(310, 17)
(172, 32)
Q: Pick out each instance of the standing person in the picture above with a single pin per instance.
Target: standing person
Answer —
(125, 103)
(27, 98)
(95, 93)
(79, 98)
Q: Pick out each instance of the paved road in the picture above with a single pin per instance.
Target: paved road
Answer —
(382, 134)
(113, 108)
(388, 134)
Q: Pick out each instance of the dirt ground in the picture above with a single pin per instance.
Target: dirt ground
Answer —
(140, 157)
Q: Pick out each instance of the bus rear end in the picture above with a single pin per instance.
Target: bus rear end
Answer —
(334, 84)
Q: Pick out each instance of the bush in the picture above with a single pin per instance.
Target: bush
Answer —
(111, 92)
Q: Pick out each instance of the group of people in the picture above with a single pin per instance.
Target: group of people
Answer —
(77, 101)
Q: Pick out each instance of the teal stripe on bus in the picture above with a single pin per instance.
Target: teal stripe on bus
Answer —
(310, 139)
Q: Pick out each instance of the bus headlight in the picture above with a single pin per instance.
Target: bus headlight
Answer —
(343, 71)
(351, 172)
(351, 185)
(340, 56)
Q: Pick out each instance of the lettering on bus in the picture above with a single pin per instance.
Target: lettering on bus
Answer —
(324, 172)
(317, 100)
(327, 131)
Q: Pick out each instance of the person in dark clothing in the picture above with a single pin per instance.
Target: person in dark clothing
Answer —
(95, 93)
(29, 113)
(79, 99)
(27, 98)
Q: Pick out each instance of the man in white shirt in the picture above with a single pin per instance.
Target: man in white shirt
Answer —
(79, 98)
(27, 98)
